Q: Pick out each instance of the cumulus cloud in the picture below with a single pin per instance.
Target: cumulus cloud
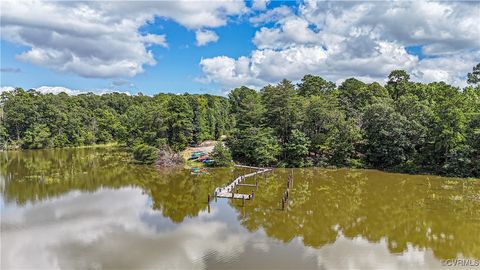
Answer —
(101, 39)
(270, 66)
(204, 37)
(367, 40)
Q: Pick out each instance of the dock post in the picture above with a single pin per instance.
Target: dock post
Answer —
(208, 200)
(252, 194)
(215, 196)
(233, 194)
(283, 203)
(243, 201)
(291, 184)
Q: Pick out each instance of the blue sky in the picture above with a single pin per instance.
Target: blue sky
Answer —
(157, 46)
(177, 69)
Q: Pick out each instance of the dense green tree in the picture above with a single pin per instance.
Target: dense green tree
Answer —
(474, 76)
(179, 130)
(3, 138)
(283, 108)
(36, 137)
(20, 112)
(333, 138)
(145, 154)
(247, 108)
(221, 156)
(255, 146)
(350, 94)
(296, 150)
(201, 129)
(312, 85)
(397, 83)
(388, 142)
(404, 126)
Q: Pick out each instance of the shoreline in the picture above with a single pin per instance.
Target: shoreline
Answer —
(189, 164)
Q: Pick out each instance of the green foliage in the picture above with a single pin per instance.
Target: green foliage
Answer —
(35, 120)
(247, 107)
(3, 138)
(398, 83)
(333, 138)
(36, 137)
(179, 125)
(255, 146)
(386, 133)
(145, 154)
(221, 156)
(296, 150)
(283, 108)
(314, 85)
(474, 76)
(402, 126)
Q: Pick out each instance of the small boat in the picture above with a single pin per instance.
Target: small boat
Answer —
(196, 155)
(199, 171)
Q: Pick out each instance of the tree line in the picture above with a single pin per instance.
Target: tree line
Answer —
(400, 126)
(31, 120)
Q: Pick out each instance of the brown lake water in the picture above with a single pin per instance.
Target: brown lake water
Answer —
(92, 209)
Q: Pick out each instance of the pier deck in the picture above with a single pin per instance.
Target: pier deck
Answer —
(226, 191)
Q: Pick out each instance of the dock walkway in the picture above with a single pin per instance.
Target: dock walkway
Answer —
(228, 191)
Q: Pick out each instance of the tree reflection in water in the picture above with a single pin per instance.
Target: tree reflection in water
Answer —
(441, 214)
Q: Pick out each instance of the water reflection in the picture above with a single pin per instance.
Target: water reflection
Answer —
(423, 211)
(91, 208)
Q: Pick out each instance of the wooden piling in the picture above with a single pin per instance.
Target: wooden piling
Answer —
(243, 201)
(208, 200)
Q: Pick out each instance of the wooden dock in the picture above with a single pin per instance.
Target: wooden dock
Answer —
(228, 191)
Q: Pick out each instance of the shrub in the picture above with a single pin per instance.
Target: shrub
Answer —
(145, 154)
(221, 156)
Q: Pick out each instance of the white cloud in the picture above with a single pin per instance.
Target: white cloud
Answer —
(101, 39)
(275, 14)
(451, 68)
(270, 66)
(260, 4)
(6, 89)
(293, 31)
(59, 89)
(367, 40)
(204, 37)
